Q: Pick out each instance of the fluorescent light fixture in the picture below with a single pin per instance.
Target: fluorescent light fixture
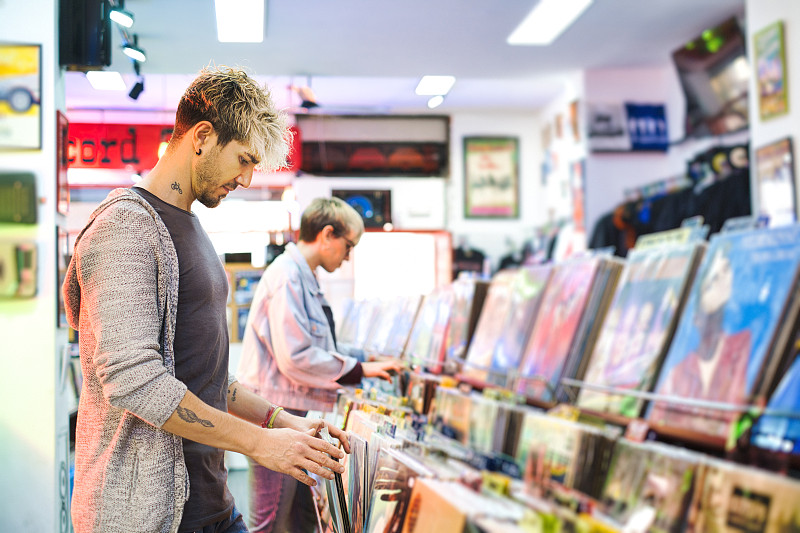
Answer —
(134, 52)
(547, 21)
(121, 17)
(435, 101)
(240, 21)
(103, 80)
(433, 85)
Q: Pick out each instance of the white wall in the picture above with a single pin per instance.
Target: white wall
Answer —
(761, 13)
(33, 419)
(609, 175)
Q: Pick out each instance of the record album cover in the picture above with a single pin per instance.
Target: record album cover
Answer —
(734, 331)
(638, 326)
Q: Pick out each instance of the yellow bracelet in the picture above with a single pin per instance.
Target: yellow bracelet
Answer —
(272, 418)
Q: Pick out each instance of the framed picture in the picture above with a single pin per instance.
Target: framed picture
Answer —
(374, 205)
(62, 162)
(775, 182)
(491, 177)
(770, 62)
(20, 97)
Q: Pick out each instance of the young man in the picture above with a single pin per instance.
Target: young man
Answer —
(289, 352)
(147, 293)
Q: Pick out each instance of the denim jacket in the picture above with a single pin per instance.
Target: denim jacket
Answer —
(288, 353)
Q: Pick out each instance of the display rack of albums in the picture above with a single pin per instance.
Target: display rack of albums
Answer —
(243, 279)
(656, 393)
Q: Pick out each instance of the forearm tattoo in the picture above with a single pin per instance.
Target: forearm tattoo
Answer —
(176, 187)
(233, 394)
(187, 415)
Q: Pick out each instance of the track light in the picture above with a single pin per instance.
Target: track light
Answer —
(121, 17)
(137, 89)
(134, 52)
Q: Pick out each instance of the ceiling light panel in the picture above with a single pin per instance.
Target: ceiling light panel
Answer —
(106, 80)
(546, 21)
(435, 85)
(240, 21)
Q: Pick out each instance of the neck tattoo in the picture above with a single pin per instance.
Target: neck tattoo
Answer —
(176, 187)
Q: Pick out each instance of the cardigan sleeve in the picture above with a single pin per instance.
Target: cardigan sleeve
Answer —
(118, 273)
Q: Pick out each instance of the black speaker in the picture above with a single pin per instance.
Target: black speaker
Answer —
(374, 206)
(84, 34)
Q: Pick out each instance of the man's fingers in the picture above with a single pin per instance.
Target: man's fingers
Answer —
(317, 469)
(325, 447)
(302, 477)
(339, 434)
(325, 462)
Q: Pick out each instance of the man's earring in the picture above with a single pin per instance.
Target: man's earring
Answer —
(199, 151)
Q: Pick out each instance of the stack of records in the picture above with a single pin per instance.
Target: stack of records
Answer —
(395, 476)
(358, 476)
(441, 329)
(490, 325)
(346, 327)
(337, 504)
(379, 336)
(495, 426)
(401, 327)
(560, 330)
(421, 340)
(735, 332)
(469, 294)
(649, 486)
(483, 413)
(526, 289)
(550, 449)
(360, 318)
(559, 454)
(731, 499)
(421, 391)
(368, 319)
(638, 326)
(451, 413)
(448, 507)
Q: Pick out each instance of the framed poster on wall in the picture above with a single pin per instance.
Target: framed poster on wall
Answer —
(491, 177)
(20, 97)
(770, 60)
(775, 182)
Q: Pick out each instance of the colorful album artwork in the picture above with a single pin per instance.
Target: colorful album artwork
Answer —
(489, 328)
(563, 302)
(638, 326)
(527, 289)
(733, 331)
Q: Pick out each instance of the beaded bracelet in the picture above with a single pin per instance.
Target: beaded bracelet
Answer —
(272, 414)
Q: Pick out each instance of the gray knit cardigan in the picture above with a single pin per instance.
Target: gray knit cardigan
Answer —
(121, 294)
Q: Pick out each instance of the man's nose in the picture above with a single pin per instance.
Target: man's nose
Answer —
(244, 178)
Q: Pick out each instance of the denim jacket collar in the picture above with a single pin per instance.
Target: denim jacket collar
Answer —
(309, 278)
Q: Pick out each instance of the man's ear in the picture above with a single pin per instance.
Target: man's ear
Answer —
(202, 135)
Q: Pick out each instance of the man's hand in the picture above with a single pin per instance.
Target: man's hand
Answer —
(287, 420)
(291, 452)
(382, 369)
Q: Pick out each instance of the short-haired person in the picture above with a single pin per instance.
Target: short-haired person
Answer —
(147, 292)
(289, 351)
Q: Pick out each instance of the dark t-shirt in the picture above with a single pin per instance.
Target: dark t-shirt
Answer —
(201, 355)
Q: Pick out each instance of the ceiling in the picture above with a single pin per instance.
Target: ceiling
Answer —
(368, 55)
